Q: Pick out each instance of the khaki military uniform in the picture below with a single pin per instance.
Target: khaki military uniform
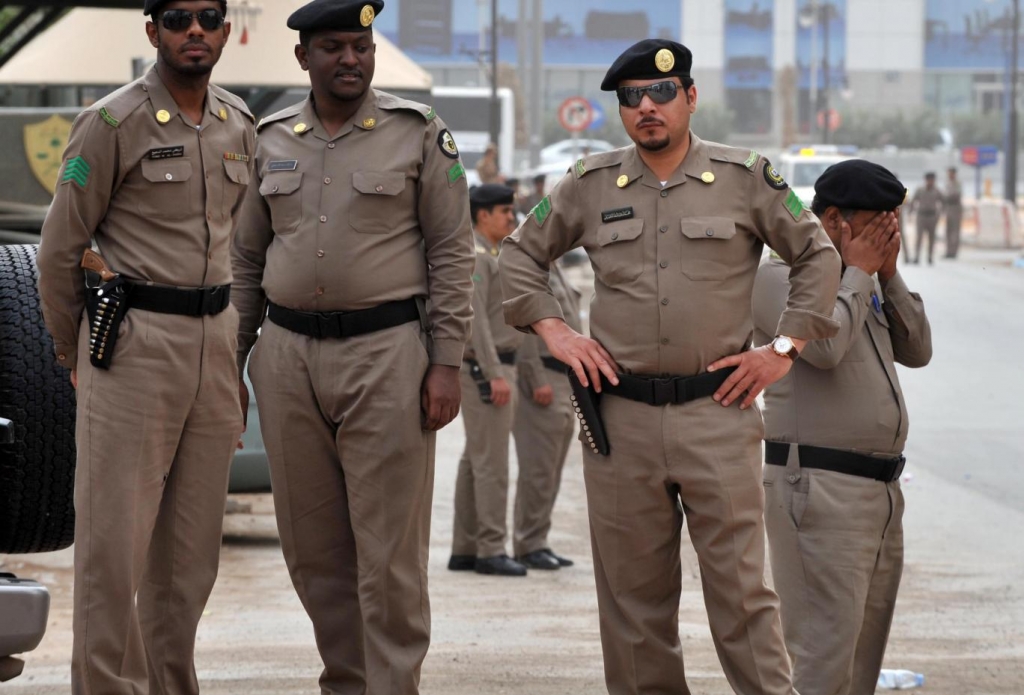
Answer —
(674, 268)
(928, 202)
(836, 540)
(543, 434)
(481, 489)
(376, 213)
(953, 203)
(159, 196)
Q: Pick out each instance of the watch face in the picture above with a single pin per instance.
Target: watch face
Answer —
(783, 345)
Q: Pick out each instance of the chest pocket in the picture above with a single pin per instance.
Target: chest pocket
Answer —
(374, 208)
(283, 193)
(706, 248)
(169, 191)
(237, 175)
(619, 255)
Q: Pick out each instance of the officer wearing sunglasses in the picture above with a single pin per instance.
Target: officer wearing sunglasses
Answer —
(674, 227)
(154, 175)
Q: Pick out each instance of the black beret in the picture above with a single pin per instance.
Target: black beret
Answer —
(336, 15)
(857, 184)
(491, 194)
(648, 60)
(153, 5)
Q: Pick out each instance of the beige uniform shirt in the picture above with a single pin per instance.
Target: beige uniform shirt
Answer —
(953, 197)
(843, 392)
(159, 195)
(928, 201)
(532, 371)
(491, 334)
(377, 213)
(674, 265)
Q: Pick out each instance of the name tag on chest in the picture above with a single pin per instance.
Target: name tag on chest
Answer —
(617, 214)
(283, 165)
(167, 152)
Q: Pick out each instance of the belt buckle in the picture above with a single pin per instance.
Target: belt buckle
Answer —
(663, 391)
(899, 465)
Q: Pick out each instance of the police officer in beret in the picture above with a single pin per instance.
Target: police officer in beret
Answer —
(488, 379)
(674, 227)
(356, 248)
(835, 428)
(154, 175)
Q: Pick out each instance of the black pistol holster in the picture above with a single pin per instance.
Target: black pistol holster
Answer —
(106, 306)
(483, 384)
(587, 404)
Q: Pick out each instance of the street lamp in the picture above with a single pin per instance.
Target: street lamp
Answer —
(811, 15)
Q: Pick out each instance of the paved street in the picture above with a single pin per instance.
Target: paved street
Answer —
(960, 617)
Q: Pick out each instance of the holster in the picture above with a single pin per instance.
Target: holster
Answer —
(587, 404)
(106, 306)
(483, 384)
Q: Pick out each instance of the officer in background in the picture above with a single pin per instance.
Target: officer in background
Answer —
(835, 428)
(674, 228)
(357, 214)
(543, 428)
(154, 174)
(488, 379)
(927, 203)
(953, 203)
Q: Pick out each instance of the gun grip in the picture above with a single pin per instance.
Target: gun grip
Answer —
(94, 262)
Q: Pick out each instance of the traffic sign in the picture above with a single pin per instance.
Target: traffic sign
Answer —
(598, 121)
(575, 114)
(979, 155)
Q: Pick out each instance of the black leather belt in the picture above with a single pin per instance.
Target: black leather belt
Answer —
(554, 364)
(507, 357)
(202, 301)
(344, 324)
(673, 390)
(838, 461)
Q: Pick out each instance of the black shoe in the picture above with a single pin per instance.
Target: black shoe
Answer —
(501, 565)
(562, 561)
(461, 563)
(538, 560)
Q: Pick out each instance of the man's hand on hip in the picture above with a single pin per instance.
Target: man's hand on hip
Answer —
(756, 370)
(440, 396)
(584, 355)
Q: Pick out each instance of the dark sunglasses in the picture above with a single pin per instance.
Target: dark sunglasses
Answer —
(660, 93)
(181, 20)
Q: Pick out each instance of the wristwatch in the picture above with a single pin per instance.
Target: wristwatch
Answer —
(783, 347)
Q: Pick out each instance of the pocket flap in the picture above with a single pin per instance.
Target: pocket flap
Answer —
(237, 171)
(709, 228)
(166, 170)
(614, 232)
(281, 183)
(379, 182)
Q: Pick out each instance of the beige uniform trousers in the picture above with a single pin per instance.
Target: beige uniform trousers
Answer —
(702, 462)
(155, 438)
(353, 475)
(543, 436)
(481, 488)
(836, 546)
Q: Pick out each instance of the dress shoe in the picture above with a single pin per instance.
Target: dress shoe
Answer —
(501, 565)
(562, 561)
(462, 563)
(539, 560)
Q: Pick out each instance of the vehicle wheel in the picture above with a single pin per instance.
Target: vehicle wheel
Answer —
(37, 468)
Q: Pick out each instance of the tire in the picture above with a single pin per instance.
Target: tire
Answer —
(37, 470)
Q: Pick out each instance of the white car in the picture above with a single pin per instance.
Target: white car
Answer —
(801, 167)
(571, 150)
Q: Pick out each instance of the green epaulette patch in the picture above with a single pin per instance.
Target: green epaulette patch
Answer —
(751, 160)
(794, 205)
(455, 173)
(431, 114)
(581, 168)
(77, 170)
(541, 210)
(110, 120)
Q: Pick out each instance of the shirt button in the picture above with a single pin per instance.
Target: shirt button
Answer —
(62, 357)
(330, 145)
(664, 264)
(169, 176)
(275, 189)
(209, 256)
(664, 341)
(709, 231)
(327, 179)
(663, 229)
(379, 189)
(319, 291)
(320, 253)
(615, 236)
(323, 218)
(209, 215)
(664, 194)
(664, 301)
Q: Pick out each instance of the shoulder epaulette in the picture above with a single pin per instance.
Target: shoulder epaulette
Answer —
(116, 107)
(734, 155)
(283, 114)
(389, 102)
(233, 100)
(483, 250)
(601, 160)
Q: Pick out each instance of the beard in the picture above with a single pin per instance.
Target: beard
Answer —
(189, 67)
(653, 144)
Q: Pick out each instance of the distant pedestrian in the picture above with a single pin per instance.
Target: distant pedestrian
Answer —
(530, 200)
(927, 203)
(487, 169)
(954, 213)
